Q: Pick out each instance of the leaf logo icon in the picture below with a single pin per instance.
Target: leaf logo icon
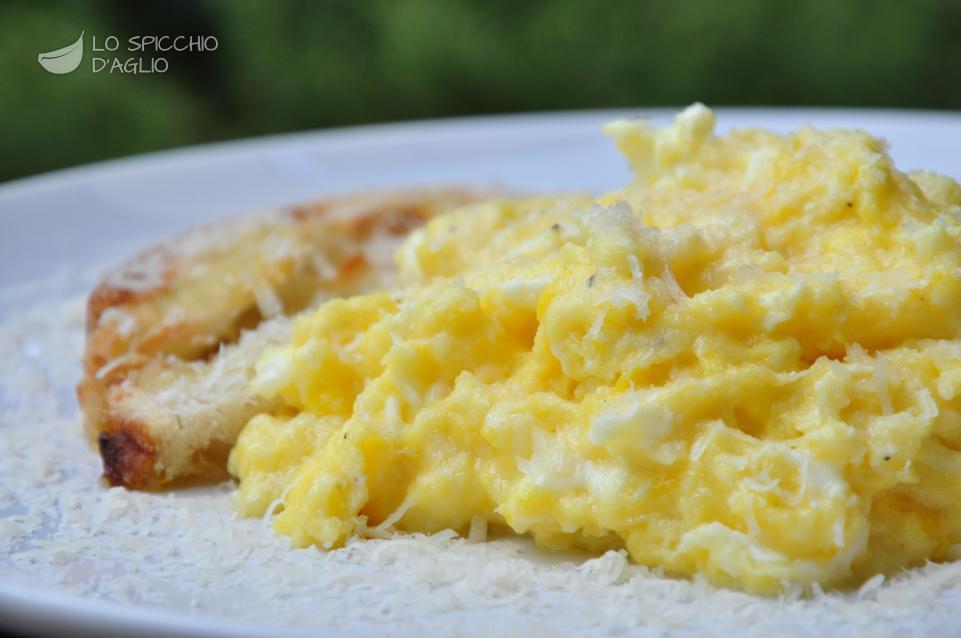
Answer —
(63, 60)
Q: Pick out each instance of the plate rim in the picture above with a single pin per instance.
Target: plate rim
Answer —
(34, 609)
(22, 186)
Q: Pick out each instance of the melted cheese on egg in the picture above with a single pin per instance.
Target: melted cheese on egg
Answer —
(744, 364)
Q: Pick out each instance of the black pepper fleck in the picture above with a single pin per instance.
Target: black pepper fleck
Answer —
(887, 457)
(590, 281)
(850, 204)
(555, 227)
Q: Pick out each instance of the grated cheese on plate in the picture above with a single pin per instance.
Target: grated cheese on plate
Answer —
(186, 553)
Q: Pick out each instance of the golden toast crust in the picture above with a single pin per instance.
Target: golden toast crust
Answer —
(172, 333)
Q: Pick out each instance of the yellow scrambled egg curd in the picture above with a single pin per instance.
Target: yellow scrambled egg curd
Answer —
(745, 364)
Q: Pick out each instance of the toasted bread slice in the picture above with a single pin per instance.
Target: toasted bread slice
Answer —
(173, 333)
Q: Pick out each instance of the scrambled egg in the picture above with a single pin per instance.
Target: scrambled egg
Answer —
(745, 364)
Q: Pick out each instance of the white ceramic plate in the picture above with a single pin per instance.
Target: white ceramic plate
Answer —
(75, 220)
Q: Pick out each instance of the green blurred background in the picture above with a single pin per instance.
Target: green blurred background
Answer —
(284, 66)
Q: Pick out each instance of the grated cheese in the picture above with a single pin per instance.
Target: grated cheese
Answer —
(882, 382)
(673, 288)
(267, 300)
(597, 325)
(185, 553)
(838, 532)
(274, 505)
(478, 530)
(122, 360)
(394, 516)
